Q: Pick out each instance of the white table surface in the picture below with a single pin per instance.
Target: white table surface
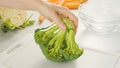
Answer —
(23, 52)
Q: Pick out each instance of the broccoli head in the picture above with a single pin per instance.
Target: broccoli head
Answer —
(58, 45)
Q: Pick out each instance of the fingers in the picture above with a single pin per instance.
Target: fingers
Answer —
(71, 16)
(65, 12)
(59, 22)
(51, 14)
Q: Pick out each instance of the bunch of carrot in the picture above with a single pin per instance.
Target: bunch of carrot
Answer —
(71, 4)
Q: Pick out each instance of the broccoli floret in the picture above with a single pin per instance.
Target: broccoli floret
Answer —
(44, 34)
(58, 45)
(72, 51)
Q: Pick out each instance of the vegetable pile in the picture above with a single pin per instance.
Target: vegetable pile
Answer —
(71, 4)
(11, 19)
(58, 45)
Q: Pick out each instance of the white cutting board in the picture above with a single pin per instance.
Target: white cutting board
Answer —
(14, 40)
(25, 53)
(32, 57)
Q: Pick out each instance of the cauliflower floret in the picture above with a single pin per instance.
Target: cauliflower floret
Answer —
(11, 19)
(17, 17)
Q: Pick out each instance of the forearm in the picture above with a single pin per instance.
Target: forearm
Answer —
(20, 4)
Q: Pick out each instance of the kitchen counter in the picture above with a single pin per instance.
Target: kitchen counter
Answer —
(100, 51)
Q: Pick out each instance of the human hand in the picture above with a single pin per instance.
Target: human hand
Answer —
(52, 12)
(66, 13)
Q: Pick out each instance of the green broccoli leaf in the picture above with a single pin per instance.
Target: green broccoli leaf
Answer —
(28, 22)
(8, 24)
(4, 29)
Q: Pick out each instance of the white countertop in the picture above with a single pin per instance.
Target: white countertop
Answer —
(23, 52)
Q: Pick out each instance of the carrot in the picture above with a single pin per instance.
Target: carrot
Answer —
(50, 0)
(72, 0)
(54, 1)
(62, 2)
(41, 19)
(83, 1)
(71, 4)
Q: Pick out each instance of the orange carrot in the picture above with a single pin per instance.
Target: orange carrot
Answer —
(83, 1)
(62, 2)
(54, 1)
(41, 19)
(71, 4)
(74, 0)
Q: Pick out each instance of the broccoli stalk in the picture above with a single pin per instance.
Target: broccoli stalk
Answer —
(58, 45)
(54, 46)
(44, 34)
